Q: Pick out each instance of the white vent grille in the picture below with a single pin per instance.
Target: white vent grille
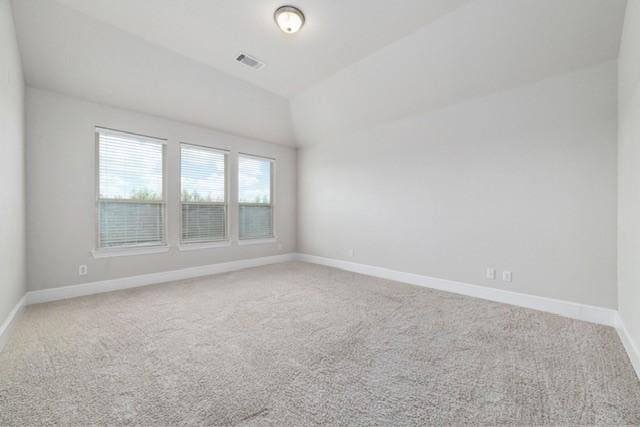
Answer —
(250, 61)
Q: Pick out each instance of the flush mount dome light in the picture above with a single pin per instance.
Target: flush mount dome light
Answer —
(290, 19)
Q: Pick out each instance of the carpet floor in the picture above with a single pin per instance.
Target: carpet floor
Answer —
(302, 344)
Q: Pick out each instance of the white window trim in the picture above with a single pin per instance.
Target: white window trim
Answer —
(207, 245)
(129, 251)
(143, 248)
(257, 241)
(272, 204)
(186, 245)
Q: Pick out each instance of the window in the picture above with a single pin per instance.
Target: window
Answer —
(203, 194)
(131, 200)
(255, 176)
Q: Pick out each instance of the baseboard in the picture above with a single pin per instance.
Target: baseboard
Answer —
(64, 292)
(588, 313)
(572, 310)
(7, 326)
(629, 344)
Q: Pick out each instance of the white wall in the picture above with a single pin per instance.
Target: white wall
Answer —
(12, 189)
(629, 173)
(522, 180)
(61, 226)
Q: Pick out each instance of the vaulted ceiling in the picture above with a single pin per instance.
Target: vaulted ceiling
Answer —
(354, 63)
(336, 34)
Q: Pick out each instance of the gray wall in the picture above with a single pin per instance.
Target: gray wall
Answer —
(61, 191)
(522, 180)
(629, 172)
(12, 190)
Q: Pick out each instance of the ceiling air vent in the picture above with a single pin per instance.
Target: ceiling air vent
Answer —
(250, 61)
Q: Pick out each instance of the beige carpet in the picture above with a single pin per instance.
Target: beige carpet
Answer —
(300, 344)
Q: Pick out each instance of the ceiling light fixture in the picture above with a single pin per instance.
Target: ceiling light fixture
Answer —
(290, 19)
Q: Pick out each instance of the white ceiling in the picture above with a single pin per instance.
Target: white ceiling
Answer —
(355, 63)
(66, 51)
(336, 33)
(481, 48)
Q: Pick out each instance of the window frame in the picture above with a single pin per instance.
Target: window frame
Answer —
(203, 244)
(272, 201)
(129, 249)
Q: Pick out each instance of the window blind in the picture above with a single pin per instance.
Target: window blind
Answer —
(130, 189)
(203, 194)
(255, 197)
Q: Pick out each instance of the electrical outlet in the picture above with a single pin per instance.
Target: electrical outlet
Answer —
(491, 273)
(350, 253)
(82, 270)
(506, 276)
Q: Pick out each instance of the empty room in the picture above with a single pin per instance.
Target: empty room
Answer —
(335, 212)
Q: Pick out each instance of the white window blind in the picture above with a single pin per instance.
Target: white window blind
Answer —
(203, 194)
(255, 176)
(131, 200)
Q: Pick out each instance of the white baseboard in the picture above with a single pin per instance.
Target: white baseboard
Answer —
(629, 344)
(7, 326)
(588, 313)
(64, 292)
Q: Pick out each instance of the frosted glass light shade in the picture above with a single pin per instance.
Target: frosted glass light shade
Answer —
(289, 19)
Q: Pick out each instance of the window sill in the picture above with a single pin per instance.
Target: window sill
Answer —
(116, 252)
(207, 245)
(257, 241)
